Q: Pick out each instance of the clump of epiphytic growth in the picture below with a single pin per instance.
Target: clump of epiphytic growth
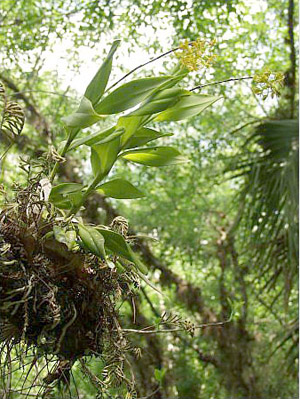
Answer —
(59, 300)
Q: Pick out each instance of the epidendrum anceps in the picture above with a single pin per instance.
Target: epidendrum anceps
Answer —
(62, 281)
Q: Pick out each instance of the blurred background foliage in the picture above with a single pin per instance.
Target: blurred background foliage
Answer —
(226, 222)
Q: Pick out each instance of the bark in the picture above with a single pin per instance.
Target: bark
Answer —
(234, 341)
(291, 73)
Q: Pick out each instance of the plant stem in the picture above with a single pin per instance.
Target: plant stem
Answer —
(56, 165)
(6, 151)
(71, 137)
(142, 65)
(90, 188)
(221, 81)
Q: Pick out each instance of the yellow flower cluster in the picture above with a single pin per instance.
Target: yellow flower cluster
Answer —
(267, 82)
(197, 54)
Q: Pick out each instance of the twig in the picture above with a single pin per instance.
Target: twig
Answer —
(218, 323)
(245, 125)
(292, 82)
(221, 81)
(39, 91)
(142, 65)
(150, 394)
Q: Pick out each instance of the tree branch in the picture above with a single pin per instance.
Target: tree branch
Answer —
(292, 70)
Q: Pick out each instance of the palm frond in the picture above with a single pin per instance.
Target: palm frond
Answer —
(269, 166)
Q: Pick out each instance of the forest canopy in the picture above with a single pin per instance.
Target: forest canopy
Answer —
(149, 199)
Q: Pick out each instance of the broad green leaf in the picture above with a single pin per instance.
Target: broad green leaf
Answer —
(154, 156)
(64, 189)
(160, 101)
(65, 195)
(117, 244)
(129, 95)
(85, 116)
(186, 107)
(143, 136)
(92, 240)
(98, 84)
(171, 82)
(119, 188)
(103, 156)
(131, 124)
(98, 138)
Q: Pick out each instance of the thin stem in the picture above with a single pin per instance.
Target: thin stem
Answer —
(91, 188)
(144, 331)
(56, 165)
(221, 81)
(6, 151)
(292, 70)
(142, 65)
(39, 91)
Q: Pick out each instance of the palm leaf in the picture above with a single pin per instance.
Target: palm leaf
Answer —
(269, 166)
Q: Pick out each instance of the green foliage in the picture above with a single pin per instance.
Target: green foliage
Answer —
(187, 107)
(96, 88)
(117, 245)
(65, 195)
(119, 188)
(92, 240)
(129, 95)
(187, 207)
(271, 188)
(154, 156)
(84, 117)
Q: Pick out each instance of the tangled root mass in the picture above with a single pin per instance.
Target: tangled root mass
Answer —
(58, 301)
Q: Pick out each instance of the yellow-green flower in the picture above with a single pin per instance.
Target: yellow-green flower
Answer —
(267, 82)
(197, 54)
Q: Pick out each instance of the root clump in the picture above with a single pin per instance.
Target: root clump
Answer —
(59, 301)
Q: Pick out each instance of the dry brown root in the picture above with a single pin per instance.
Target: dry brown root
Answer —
(60, 302)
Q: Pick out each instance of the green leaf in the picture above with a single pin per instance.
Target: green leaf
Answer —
(65, 188)
(143, 136)
(98, 138)
(98, 84)
(119, 188)
(103, 156)
(92, 240)
(131, 124)
(117, 244)
(187, 107)
(61, 191)
(85, 116)
(159, 374)
(160, 101)
(65, 195)
(154, 156)
(129, 95)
